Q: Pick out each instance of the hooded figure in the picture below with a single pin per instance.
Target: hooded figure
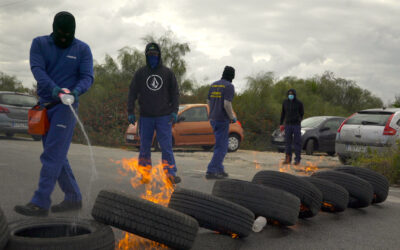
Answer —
(157, 90)
(63, 29)
(220, 98)
(291, 117)
(58, 61)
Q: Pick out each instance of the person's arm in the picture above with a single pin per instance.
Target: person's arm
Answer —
(282, 114)
(133, 93)
(301, 111)
(85, 71)
(229, 109)
(38, 68)
(174, 93)
(229, 93)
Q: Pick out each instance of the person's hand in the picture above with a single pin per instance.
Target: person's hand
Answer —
(132, 119)
(56, 92)
(75, 93)
(234, 120)
(174, 117)
(281, 128)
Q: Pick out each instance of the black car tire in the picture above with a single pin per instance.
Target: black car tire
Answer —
(360, 191)
(281, 150)
(334, 197)
(145, 218)
(379, 182)
(36, 137)
(271, 203)
(3, 230)
(60, 234)
(309, 195)
(212, 212)
(310, 147)
(233, 138)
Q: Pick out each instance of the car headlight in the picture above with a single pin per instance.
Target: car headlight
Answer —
(303, 132)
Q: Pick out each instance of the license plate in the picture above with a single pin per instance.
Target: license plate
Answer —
(356, 148)
(20, 125)
(130, 137)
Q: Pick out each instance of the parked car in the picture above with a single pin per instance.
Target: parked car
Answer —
(376, 129)
(192, 129)
(14, 113)
(318, 133)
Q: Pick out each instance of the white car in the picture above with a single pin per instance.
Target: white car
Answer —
(374, 129)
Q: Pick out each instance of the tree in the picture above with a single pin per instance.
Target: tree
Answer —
(11, 83)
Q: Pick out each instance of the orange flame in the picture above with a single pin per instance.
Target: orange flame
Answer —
(158, 189)
(308, 169)
(255, 161)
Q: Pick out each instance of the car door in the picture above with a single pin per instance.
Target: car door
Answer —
(327, 134)
(194, 127)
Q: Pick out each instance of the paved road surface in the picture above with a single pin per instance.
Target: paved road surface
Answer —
(375, 227)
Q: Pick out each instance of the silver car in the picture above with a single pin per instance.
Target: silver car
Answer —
(14, 113)
(375, 129)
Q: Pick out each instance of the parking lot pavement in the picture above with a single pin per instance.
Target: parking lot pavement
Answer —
(375, 227)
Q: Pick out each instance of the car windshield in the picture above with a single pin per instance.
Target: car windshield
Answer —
(376, 119)
(312, 122)
(18, 100)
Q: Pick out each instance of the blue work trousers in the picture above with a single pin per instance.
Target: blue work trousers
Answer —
(55, 165)
(162, 125)
(293, 135)
(221, 133)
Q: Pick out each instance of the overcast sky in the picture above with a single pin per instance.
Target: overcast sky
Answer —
(357, 40)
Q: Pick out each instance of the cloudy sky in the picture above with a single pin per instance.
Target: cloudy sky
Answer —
(355, 39)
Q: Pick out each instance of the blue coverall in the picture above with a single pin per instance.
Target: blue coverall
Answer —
(70, 68)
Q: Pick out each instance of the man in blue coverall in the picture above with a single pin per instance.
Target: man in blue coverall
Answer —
(156, 88)
(57, 61)
(220, 98)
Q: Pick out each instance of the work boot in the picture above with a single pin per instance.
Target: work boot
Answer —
(65, 206)
(31, 209)
(296, 163)
(225, 174)
(174, 179)
(288, 160)
(215, 176)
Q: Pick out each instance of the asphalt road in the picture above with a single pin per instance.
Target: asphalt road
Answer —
(375, 227)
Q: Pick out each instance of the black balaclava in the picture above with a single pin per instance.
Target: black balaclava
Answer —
(229, 73)
(63, 29)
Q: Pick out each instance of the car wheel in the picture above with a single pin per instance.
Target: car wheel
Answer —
(310, 147)
(281, 150)
(233, 143)
(343, 160)
(37, 137)
(9, 135)
(332, 153)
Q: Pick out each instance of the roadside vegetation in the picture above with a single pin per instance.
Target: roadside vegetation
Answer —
(387, 164)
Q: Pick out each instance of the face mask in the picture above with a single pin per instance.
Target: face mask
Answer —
(291, 97)
(153, 61)
(63, 29)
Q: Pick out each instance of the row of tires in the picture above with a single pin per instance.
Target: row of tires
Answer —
(231, 209)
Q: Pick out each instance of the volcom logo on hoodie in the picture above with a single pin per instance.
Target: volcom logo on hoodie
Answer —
(154, 82)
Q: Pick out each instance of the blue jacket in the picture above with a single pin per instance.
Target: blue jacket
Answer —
(52, 66)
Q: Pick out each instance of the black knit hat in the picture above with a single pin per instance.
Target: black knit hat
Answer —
(229, 73)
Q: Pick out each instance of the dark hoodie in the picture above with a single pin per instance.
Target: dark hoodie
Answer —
(156, 89)
(292, 110)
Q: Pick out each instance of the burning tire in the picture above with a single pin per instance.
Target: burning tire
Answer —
(213, 212)
(309, 195)
(146, 219)
(271, 203)
(334, 197)
(60, 234)
(360, 191)
(379, 183)
(3, 230)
